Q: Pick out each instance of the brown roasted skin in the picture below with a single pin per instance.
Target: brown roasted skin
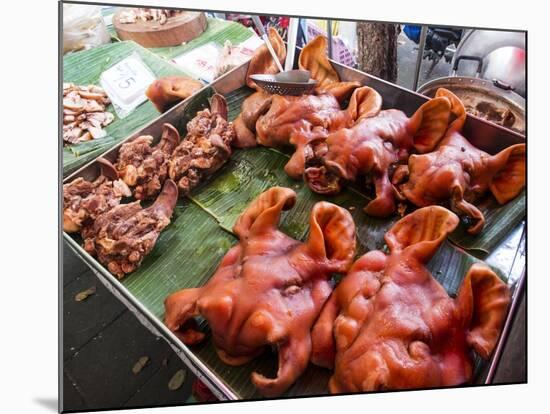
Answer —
(168, 91)
(269, 288)
(245, 124)
(144, 167)
(457, 174)
(276, 120)
(390, 325)
(374, 146)
(280, 121)
(295, 121)
(313, 58)
(205, 149)
(258, 103)
(83, 200)
(123, 236)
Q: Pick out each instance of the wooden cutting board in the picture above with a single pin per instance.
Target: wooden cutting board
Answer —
(177, 29)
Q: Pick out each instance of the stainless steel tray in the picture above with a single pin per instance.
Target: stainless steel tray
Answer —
(509, 256)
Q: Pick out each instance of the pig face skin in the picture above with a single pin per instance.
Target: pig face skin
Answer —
(269, 288)
(390, 325)
(457, 174)
(374, 146)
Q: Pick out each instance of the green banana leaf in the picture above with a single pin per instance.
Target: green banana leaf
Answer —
(189, 250)
(85, 68)
(499, 221)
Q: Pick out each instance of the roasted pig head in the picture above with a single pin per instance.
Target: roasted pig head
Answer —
(145, 167)
(277, 120)
(168, 91)
(457, 174)
(258, 103)
(390, 325)
(375, 145)
(269, 288)
(83, 200)
(123, 236)
(206, 147)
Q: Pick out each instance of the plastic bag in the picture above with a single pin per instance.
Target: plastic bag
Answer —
(83, 27)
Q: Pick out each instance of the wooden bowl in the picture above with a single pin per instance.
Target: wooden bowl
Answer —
(177, 29)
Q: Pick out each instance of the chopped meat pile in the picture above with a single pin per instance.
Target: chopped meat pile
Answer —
(84, 201)
(123, 236)
(145, 15)
(145, 167)
(84, 114)
(205, 149)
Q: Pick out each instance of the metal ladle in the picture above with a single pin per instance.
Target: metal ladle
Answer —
(289, 82)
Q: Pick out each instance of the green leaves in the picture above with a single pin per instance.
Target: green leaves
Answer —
(85, 68)
(190, 249)
(85, 294)
(177, 380)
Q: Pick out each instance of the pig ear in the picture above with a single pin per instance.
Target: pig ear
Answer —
(458, 111)
(341, 90)
(364, 103)
(313, 57)
(170, 138)
(107, 169)
(332, 236)
(264, 212)
(482, 303)
(262, 62)
(429, 124)
(218, 105)
(421, 232)
(510, 178)
(166, 91)
(180, 307)
(166, 200)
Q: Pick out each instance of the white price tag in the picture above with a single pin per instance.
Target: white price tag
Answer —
(200, 62)
(125, 83)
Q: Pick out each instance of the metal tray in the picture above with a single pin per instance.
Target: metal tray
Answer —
(509, 255)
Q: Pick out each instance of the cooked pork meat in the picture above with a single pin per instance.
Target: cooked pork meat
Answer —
(83, 200)
(145, 167)
(269, 288)
(457, 174)
(390, 325)
(168, 91)
(205, 149)
(135, 14)
(123, 236)
(84, 114)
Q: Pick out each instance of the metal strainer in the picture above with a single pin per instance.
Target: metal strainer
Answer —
(289, 82)
(272, 84)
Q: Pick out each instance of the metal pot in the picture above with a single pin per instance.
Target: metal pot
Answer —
(503, 54)
(492, 100)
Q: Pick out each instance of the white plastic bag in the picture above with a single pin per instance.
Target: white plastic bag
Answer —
(83, 27)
